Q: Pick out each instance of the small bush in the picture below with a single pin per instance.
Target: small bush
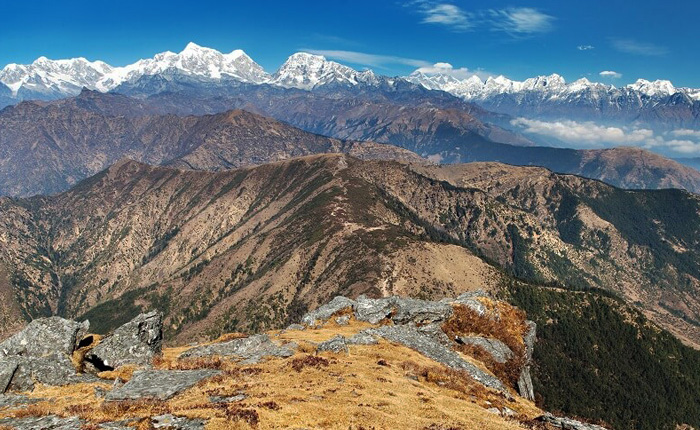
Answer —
(309, 361)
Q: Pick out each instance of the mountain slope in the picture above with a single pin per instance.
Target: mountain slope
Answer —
(46, 148)
(250, 248)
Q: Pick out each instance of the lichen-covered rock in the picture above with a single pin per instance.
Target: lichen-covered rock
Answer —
(343, 320)
(525, 386)
(419, 311)
(434, 331)
(567, 423)
(494, 347)
(54, 369)
(295, 327)
(16, 399)
(362, 338)
(326, 311)
(8, 367)
(336, 344)
(373, 310)
(136, 342)
(410, 336)
(250, 349)
(45, 336)
(50, 422)
(172, 422)
(159, 384)
(469, 299)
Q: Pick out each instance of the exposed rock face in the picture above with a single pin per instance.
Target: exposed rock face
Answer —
(169, 421)
(54, 369)
(525, 387)
(45, 336)
(497, 349)
(416, 325)
(568, 423)
(136, 342)
(337, 344)
(159, 384)
(250, 349)
(40, 353)
(412, 338)
(50, 422)
(324, 312)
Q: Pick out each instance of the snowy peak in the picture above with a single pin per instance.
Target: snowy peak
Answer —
(53, 77)
(658, 88)
(195, 61)
(57, 78)
(308, 71)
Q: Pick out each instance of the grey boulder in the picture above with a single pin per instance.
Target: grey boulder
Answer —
(567, 423)
(54, 369)
(373, 310)
(410, 336)
(494, 347)
(172, 422)
(250, 349)
(336, 344)
(326, 311)
(362, 338)
(420, 311)
(136, 342)
(50, 422)
(159, 384)
(45, 336)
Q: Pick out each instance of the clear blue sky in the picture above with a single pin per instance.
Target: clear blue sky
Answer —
(647, 39)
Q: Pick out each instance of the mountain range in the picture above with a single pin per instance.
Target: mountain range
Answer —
(251, 248)
(49, 146)
(656, 104)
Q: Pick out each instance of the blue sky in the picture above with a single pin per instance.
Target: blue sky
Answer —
(639, 39)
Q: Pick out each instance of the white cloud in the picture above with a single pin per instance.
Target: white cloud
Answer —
(368, 59)
(684, 132)
(446, 14)
(592, 135)
(458, 73)
(521, 20)
(584, 134)
(631, 46)
(516, 21)
(585, 47)
(610, 74)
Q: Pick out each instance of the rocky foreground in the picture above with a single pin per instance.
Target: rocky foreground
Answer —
(367, 363)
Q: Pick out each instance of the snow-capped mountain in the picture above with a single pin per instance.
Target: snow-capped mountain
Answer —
(551, 97)
(473, 88)
(53, 78)
(197, 68)
(308, 71)
(48, 79)
(195, 61)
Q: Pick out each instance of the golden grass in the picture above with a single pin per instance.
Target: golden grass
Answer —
(383, 386)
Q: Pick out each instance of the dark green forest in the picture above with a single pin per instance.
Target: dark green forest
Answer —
(598, 359)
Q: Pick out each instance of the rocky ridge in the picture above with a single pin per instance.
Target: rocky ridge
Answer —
(168, 390)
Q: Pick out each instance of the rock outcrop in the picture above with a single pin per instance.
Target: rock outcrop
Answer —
(248, 349)
(525, 387)
(496, 349)
(41, 353)
(45, 336)
(159, 384)
(136, 342)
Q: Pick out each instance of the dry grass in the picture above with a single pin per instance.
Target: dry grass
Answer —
(308, 361)
(123, 372)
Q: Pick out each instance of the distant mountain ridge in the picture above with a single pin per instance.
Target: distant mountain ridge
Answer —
(48, 146)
